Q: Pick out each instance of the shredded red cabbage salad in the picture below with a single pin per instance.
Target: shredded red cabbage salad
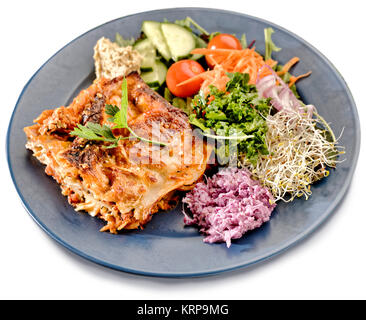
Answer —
(228, 205)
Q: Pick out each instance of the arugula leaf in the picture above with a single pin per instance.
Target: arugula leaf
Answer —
(212, 35)
(183, 104)
(168, 95)
(187, 24)
(270, 46)
(243, 41)
(124, 42)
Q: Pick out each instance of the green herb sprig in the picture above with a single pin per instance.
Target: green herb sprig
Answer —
(118, 116)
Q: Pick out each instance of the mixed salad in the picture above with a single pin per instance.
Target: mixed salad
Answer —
(269, 145)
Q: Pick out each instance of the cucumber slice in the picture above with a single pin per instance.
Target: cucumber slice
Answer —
(180, 41)
(148, 52)
(156, 88)
(156, 77)
(146, 69)
(200, 43)
(152, 30)
(154, 85)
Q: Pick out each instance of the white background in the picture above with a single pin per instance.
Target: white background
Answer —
(330, 264)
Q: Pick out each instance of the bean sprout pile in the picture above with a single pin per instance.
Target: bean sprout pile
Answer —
(299, 154)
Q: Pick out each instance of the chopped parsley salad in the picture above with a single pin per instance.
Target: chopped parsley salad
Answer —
(269, 145)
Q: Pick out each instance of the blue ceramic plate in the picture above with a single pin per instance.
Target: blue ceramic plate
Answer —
(167, 248)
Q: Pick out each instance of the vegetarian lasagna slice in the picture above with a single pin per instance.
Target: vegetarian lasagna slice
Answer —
(126, 184)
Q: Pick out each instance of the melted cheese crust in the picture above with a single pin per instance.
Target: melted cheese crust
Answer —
(125, 185)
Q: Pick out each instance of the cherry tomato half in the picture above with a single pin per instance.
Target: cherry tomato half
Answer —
(222, 41)
(181, 71)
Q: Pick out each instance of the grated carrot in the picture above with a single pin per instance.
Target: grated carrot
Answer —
(294, 79)
(271, 63)
(288, 66)
(246, 60)
(233, 60)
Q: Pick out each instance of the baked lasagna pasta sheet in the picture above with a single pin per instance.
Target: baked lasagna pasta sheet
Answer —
(125, 185)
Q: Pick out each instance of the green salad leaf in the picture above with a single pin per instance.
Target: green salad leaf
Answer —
(243, 41)
(270, 46)
(123, 42)
(236, 117)
(188, 21)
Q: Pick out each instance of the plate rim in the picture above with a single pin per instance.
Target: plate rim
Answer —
(288, 244)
